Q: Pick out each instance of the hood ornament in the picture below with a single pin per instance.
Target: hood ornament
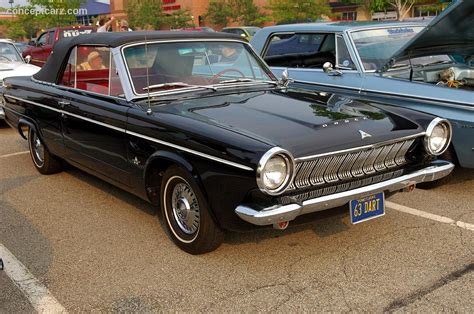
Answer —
(364, 134)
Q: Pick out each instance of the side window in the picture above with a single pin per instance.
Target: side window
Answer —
(43, 39)
(115, 86)
(69, 75)
(51, 38)
(344, 60)
(300, 50)
(88, 69)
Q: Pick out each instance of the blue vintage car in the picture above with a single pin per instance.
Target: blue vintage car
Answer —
(414, 65)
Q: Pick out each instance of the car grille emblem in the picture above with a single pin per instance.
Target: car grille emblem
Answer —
(364, 134)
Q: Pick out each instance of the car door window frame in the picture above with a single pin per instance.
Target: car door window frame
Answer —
(59, 85)
(44, 35)
(269, 40)
(337, 66)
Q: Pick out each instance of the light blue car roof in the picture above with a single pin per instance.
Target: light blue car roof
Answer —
(337, 27)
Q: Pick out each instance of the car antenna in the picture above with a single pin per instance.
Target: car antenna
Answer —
(149, 111)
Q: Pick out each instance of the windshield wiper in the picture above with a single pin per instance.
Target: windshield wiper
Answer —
(435, 62)
(399, 65)
(178, 85)
(247, 80)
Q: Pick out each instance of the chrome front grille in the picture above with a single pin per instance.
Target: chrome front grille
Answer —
(330, 169)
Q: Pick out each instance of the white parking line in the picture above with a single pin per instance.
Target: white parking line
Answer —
(15, 154)
(38, 295)
(426, 215)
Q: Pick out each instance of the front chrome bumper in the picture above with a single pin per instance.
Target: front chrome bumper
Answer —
(2, 113)
(280, 213)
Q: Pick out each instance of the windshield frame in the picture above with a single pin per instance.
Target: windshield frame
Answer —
(361, 29)
(136, 95)
(20, 57)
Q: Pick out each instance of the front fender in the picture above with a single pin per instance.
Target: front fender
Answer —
(170, 157)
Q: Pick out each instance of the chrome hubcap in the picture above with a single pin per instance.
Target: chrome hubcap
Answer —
(185, 208)
(38, 149)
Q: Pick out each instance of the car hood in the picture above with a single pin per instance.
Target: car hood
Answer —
(303, 123)
(8, 69)
(451, 32)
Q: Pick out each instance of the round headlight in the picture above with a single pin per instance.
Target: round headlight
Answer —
(275, 170)
(438, 136)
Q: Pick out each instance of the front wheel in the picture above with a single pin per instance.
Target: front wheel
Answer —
(43, 160)
(186, 213)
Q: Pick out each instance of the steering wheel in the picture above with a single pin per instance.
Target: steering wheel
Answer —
(5, 57)
(216, 76)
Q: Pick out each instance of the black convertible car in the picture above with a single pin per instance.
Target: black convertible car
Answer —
(198, 125)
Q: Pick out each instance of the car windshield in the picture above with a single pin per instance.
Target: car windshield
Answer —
(156, 67)
(376, 46)
(8, 53)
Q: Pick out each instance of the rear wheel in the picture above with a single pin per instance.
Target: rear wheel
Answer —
(43, 160)
(186, 213)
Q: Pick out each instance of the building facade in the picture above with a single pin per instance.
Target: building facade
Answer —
(342, 11)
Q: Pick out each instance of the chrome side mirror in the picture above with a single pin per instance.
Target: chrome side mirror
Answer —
(285, 78)
(28, 59)
(329, 69)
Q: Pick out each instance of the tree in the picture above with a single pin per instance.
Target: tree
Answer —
(179, 19)
(402, 7)
(219, 12)
(298, 10)
(145, 14)
(245, 12)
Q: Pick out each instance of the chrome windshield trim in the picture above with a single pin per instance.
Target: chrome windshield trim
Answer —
(191, 151)
(141, 95)
(349, 32)
(349, 150)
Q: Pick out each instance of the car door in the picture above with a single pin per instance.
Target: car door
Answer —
(95, 114)
(304, 54)
(37, 52)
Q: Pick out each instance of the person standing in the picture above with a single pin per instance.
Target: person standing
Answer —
(104, 25)
(124, 26)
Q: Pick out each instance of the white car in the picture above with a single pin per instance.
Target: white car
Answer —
(12, 64)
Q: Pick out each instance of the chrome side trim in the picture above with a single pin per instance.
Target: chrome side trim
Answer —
(280, 213)
(224, 161)
(191, 151)
(376, 145)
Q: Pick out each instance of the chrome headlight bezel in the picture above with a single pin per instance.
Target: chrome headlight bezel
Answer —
(429, 131)
(290, 167)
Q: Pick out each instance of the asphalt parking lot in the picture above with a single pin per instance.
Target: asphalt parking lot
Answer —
(95, 247)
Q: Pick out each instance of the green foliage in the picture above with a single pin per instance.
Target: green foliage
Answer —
(179, 19)
(219, 12)
(15, 30)
(145, 14)
(299, 10)
(370, 5)
(243, 12)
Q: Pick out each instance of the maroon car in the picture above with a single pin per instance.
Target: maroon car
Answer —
(39, 50)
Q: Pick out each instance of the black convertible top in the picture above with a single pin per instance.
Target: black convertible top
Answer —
(52, 68)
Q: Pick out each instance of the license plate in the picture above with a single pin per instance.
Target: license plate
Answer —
(367, 207)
